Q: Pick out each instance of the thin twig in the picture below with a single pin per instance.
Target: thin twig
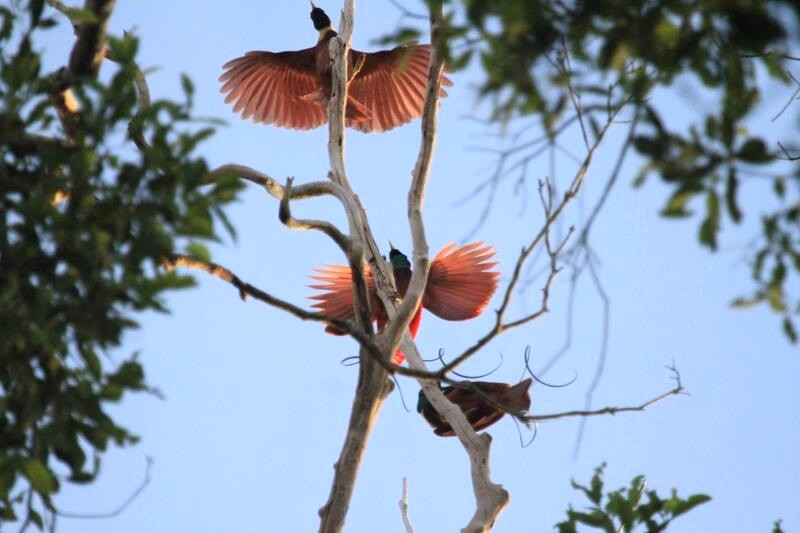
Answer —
(791, 99)
(601, 360)
(574, 96)
(678, 389)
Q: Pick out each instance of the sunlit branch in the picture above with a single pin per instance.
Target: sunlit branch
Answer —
(373, 386)
(403, 503)
(416, 192)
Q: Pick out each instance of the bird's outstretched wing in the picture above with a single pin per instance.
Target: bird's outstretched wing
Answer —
(460, 281)
(336, 299)
(275, 88)
(391, 84)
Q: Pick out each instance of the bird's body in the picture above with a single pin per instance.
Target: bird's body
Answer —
(479, 412)
(460, 285)
(292, 89)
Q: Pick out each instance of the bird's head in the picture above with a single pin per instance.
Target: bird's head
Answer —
(397, 258)
(320, 19)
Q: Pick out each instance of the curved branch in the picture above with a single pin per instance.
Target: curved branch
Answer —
(285, 216)
(276, 190)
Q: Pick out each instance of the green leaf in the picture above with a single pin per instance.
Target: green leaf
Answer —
(41, 479)
(754, 151)
(198, 251)
(8, 22)
(648, 146)
(676, 205)
(35, 517)
(746, 303)
(188, 86)
(779, 186)
(789, 329)
(123, 50)
(710, 226)
(36, 8)
(130, 374)
(677, 506)
(81, 15)
(730, 196)
(596, 518)
(775, 298)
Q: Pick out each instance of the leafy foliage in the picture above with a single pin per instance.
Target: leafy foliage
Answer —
(86, 220)
(542, 60)
(628, 508)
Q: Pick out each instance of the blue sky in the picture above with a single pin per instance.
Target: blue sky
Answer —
(256, 403)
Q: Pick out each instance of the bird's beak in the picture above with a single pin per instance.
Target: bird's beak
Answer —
(313, 5)
(391, 246)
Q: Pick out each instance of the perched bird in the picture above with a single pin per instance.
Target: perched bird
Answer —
(292, 89)
(460, 285)
(480, 413)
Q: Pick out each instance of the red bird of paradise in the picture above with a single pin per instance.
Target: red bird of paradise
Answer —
(479, 412)
(460, 284)
(291, 89)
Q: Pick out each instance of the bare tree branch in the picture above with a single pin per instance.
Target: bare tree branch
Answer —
(552, 213)
(246, 289)
(490, 498)
(403, 503)
(678, 389)
(285, 216)
(373, 386)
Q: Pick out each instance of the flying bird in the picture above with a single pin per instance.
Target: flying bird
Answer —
(291, 89)
(479, 412)
(460, 284)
